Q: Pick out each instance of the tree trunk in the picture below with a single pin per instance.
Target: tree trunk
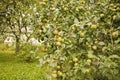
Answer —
(17, 46)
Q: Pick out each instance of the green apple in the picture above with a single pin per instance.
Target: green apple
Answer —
(93, 26)
(55, 32)
(82, 34)
(60, 73)
(58, 43)
(89, 61)
(75, 59)
(58, 67)
(102, 15)
(115, 34)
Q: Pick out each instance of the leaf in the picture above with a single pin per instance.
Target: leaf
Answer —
(90, 51)
(117, 41)
(90, 54)
(76, 22)
(104, 48)
(101, 43)
(114, 56)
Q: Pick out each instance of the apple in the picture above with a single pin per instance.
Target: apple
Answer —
(75, 59)
(85, 14)
(65, 9)
(40, 31)
(60, 73)
(73, 28)
(54, 72)
(75, 64)
(87, 44)
(89, 61)
(55, 32)
(115, 34)
(111, 4)
(54, 75)
(40, 24)
(114, 17)
(77, 9)
(69, 41)
(45, 0)
(82, 34)
(54, 19)
(94, 47)
(81, 7)
(102, 15)
(59, 39)
(88, 70)
(43, 49)
(93, 26)
(58, 67)
(58, 43)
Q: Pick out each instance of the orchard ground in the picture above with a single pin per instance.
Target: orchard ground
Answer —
(13, 68)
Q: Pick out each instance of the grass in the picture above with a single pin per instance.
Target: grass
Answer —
(12, 68)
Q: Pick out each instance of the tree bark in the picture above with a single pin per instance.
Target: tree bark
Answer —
(17, 46)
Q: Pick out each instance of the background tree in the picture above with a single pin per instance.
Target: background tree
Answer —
(20, 18)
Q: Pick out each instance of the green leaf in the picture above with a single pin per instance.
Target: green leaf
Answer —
(76, 22)
(101, 43)
(114, 56)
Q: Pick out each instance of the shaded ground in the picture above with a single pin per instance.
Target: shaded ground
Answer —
(12, 68)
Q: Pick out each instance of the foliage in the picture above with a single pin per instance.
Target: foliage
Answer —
(82, 39)
(29, 53)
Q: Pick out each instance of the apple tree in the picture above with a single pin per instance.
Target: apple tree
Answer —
(83, 39)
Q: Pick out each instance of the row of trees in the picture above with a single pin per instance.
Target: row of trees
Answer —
(17, 17)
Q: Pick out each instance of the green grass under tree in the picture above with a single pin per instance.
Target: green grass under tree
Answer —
(13, 68)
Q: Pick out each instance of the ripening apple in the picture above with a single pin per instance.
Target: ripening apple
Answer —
(94, 47)
(43, 49)
(55, 32)
(54, 72)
